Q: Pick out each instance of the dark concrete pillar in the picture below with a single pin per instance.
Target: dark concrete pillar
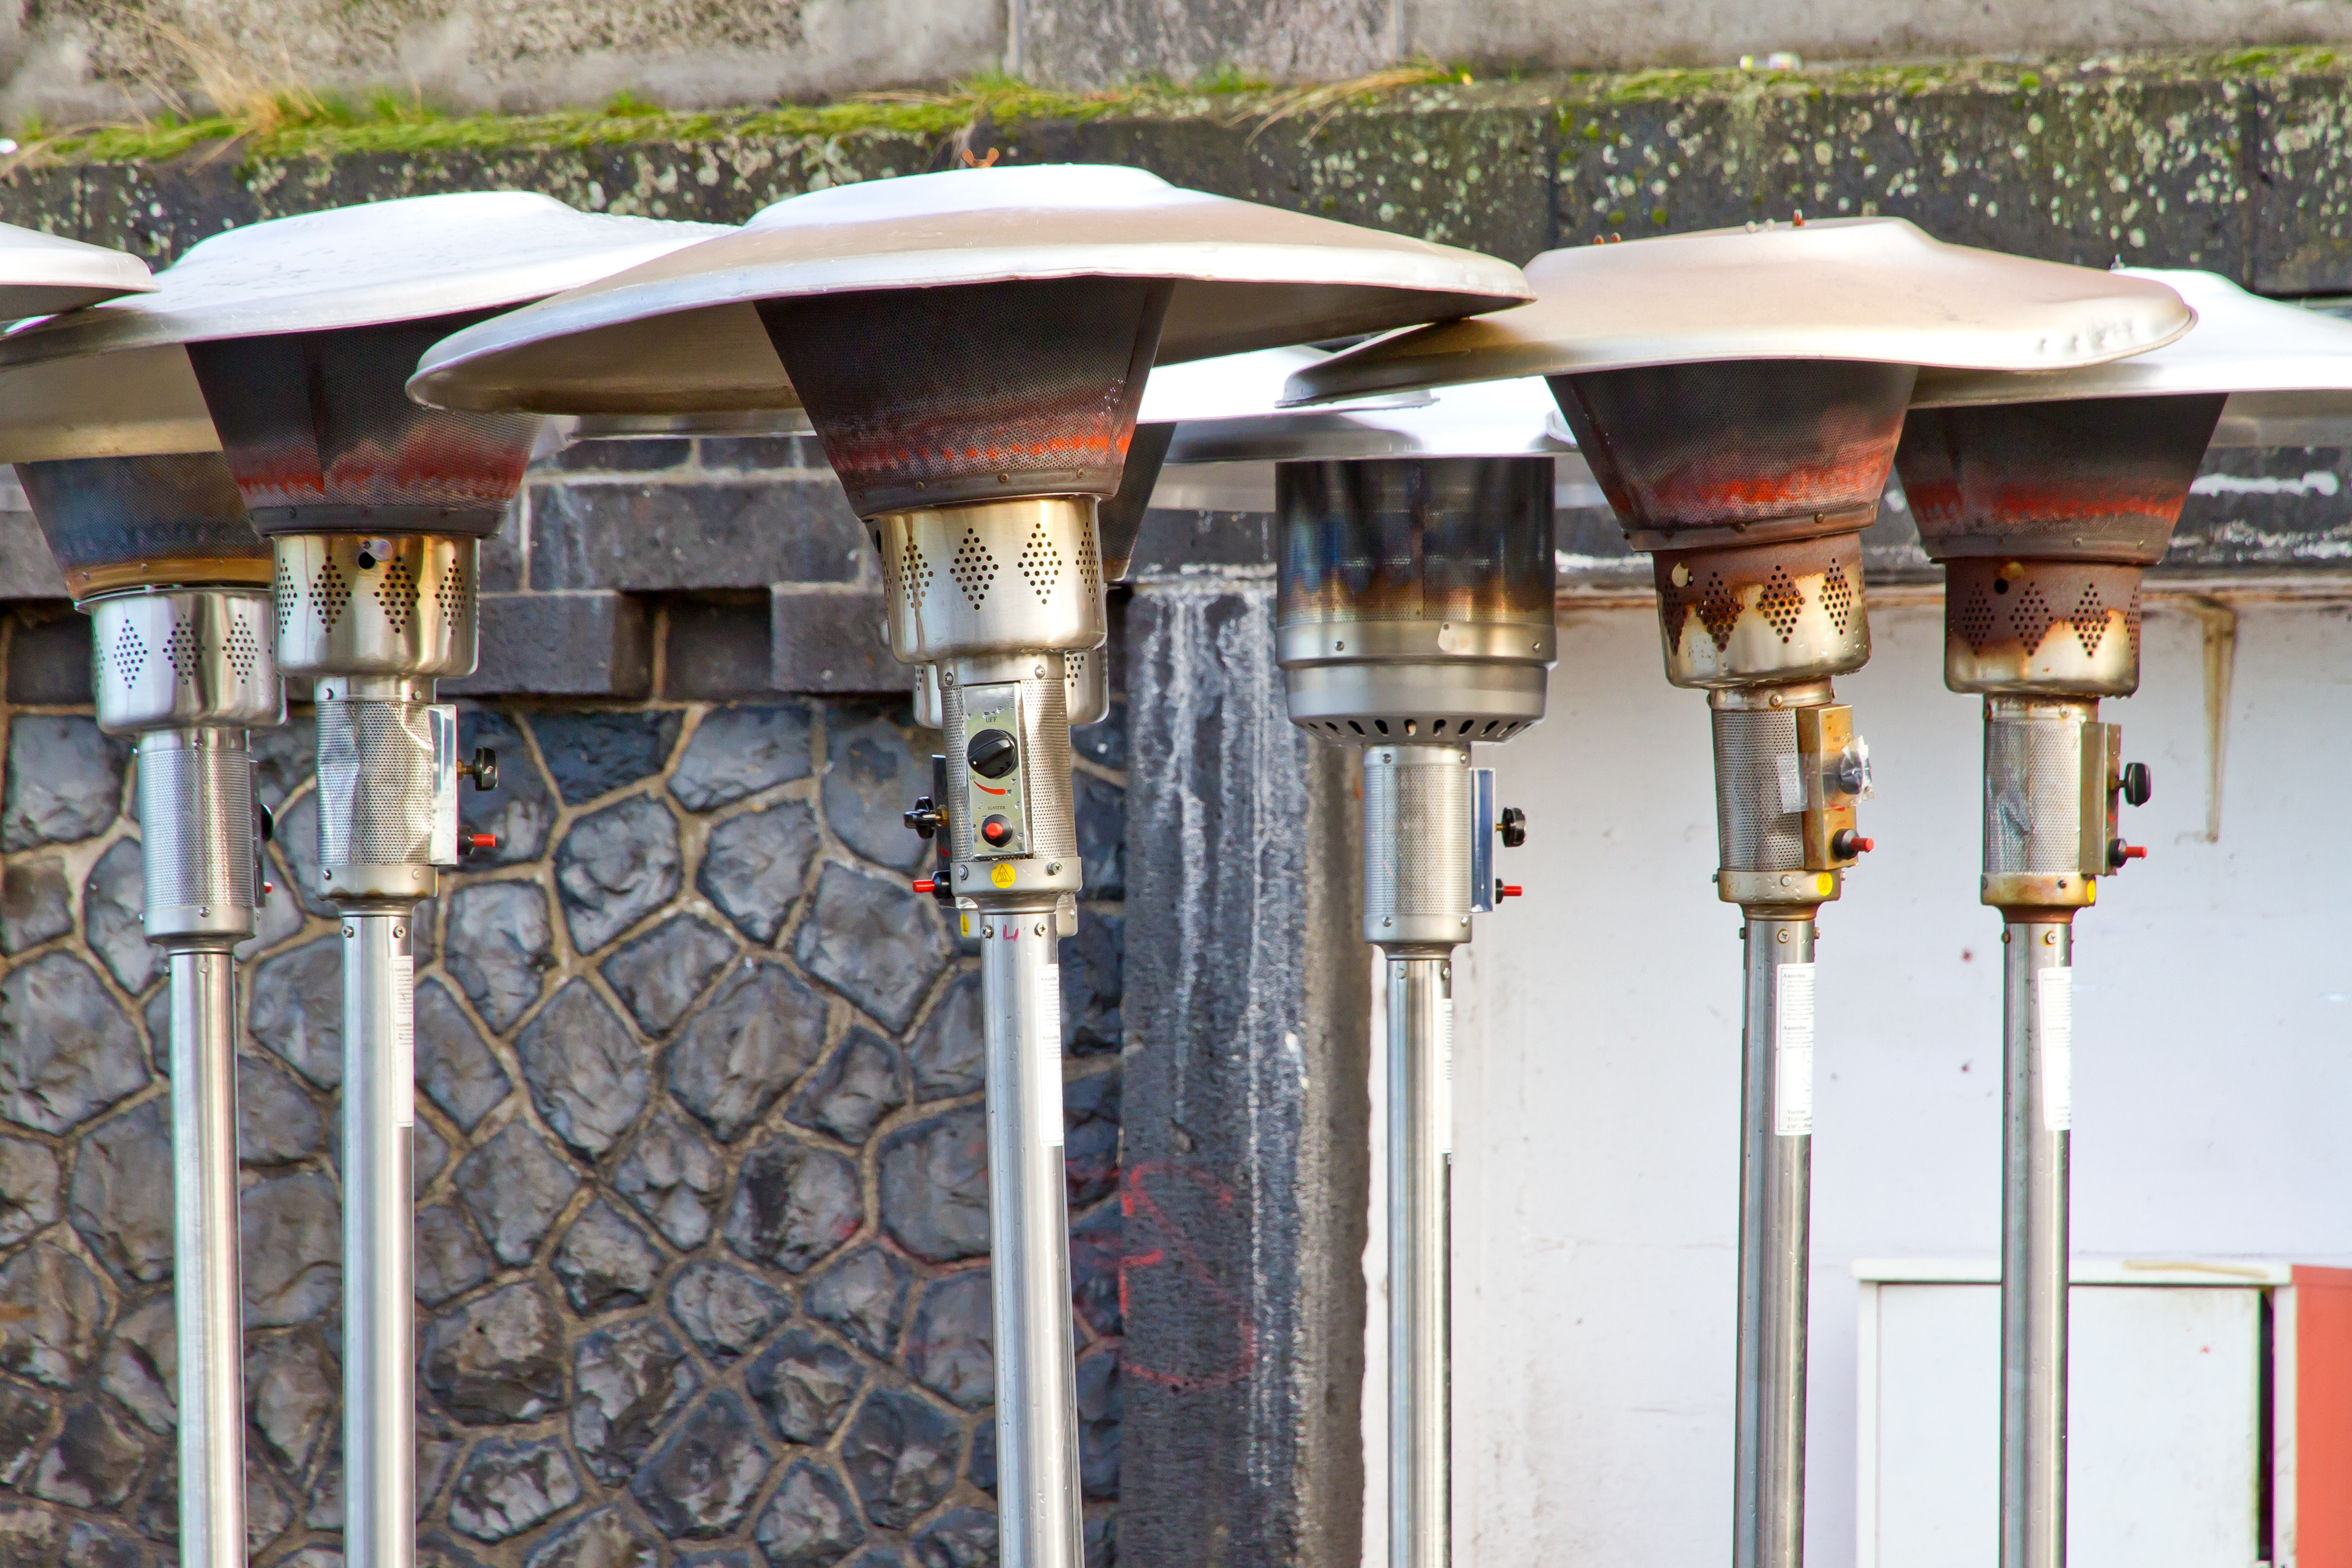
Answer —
(1247, 1115)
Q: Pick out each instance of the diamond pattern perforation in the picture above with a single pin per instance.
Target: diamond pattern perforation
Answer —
(243, 650)
(2131, 623)
(330, 594)
(2090, 621)
(395, 592)
(1089, 560)
(1973, 619)
(973, 568)
(453, 596)
(182, 650)
(2030, 617)
(1837, 597)
(128, 655)
(285, 595)
(1718, 611)
(1782, 603)
(1041, 564)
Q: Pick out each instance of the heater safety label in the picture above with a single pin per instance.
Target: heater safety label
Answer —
(1049, 1054)
(2053, 1008)
(1793, 1051)
(402, 1089)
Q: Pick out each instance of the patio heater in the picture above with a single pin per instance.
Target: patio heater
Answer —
(127, 484)
(1738, 394)
(971, 347)
(300, 333)
(1414, 574)
(2046, 498)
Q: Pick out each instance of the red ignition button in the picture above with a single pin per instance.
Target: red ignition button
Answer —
(997, 831)
(1505, 890)
(927, 886)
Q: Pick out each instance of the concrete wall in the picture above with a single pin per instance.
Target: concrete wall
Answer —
(1597, 1176)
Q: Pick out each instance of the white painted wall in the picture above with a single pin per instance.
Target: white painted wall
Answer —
(1596, 1175)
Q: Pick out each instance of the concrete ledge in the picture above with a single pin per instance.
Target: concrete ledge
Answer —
(561, 645)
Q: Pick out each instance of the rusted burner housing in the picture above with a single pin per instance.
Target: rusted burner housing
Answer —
(171, 521)
(2045, 514)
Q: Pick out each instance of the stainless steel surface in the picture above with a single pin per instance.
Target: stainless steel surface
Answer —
(1415, 595)
(1491, 420)
(208, 1305)
(196, 819)
(1791, 610)
(1086, 679)
(168, 520)
(1417, 844)
(1029, 1256)
(1843, 288)
(2060, 627)
(1005, 577)
(2046, 804)
(379, 1303)
(1031, 689)
(710, 422)
(2241, 344)
(2037, 1112)
(1244, 277)
(1775, 1242)
(139, 403)
(363, 604)
(387, 794)
(1420, 1208)
(361, 266)
(40, 273)
(181, 659)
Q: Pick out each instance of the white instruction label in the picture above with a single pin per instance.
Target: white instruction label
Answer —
(1792, 781)
(1049, 1059)
(402, 1064)
(2053, 1009)
(1445, 1077)
(1792, 1052)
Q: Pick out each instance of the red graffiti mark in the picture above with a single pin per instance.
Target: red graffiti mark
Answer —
(1148, 1221)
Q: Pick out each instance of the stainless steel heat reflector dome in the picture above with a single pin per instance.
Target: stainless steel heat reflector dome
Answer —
(971, 348)
(1413, 617)
(2046, 497)
(1740, 394)
(300, 335)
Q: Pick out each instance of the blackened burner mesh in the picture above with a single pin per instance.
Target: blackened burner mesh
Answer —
(933, 397)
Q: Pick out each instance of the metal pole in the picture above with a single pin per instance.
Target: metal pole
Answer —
(378, 1310)
(1421, 1166)
(207, 1298)
(1029, 1253)
(1775, 1242)
(2036, 1114)
(1418, 897)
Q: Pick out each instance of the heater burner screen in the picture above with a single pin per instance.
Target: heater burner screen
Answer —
(934, 398)
(319, 429)
(1758, 821)
(117, 521)
(1683, 447)
(2099, 479)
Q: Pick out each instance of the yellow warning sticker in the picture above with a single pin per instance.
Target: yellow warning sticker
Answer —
(1001, 876)
(967, 925)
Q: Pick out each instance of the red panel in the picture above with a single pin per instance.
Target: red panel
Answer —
(2322, 1419)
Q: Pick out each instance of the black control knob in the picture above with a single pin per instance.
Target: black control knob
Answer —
(2138, 784)
(992, 753)
(265, 822)
(483, 770)
(1513, 827)
(997, 831)
(926, 818)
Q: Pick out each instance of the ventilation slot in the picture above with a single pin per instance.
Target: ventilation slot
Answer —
(2030, 617)
(128, 656)
(2090, 622)
(1781, 603)
(973, 568)
(243, 650)
(396, 590)
(1041, 565)
(450, 597)
(1973, 619)
(1089, 561)
(2131, 624)
(182, 649)
(1837, 597)
(1718, 611)
(288, 593)
(330, 594)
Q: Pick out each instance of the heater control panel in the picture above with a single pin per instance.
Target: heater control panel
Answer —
(1832, 779)
(995, 787)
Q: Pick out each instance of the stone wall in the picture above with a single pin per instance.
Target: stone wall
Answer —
(702, 1230)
